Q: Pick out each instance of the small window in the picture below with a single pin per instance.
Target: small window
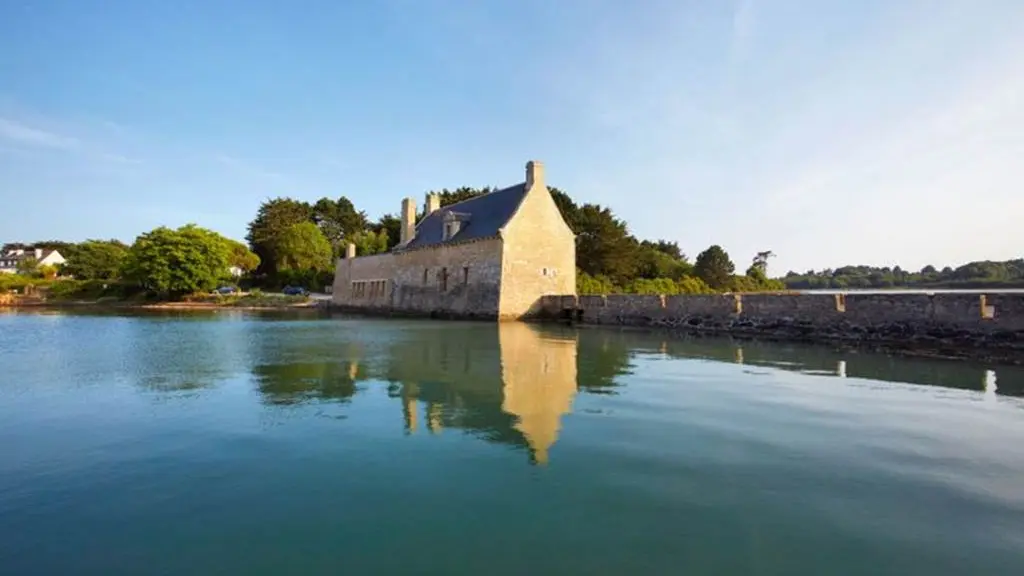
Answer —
(426, 274)
(444, 279)
(465, 275)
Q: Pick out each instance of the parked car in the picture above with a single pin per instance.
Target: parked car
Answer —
(226, 290)
(295, 291)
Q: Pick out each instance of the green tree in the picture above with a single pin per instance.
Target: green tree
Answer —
(655, 261)
(392, 226)
(714, 267)
(338, 220)
(239, 256)
(28, 266)
(58, 245)
(449, 197)
(273, 218)
(604, 245)
(982, 274)
(693, 285)
(370, 242)
(665, 247)
(48, 271)
(303, 246)
(587, 284)
(653, 286)
(172, 263)
(761, 262)
(95, 259)
(566, 206)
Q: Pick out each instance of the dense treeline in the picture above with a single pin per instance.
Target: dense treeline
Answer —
(296, 242)
(983, 274)
(610, 259)
(163, 263)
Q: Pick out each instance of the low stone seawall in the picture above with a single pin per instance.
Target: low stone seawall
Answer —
(949, 324)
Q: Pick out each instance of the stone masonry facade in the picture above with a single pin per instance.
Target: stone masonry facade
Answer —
(487, 258)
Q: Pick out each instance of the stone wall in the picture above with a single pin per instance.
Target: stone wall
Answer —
(539, 257)
(457, 279)
(943, 322)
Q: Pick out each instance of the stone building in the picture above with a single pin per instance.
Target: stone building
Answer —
(493, 256)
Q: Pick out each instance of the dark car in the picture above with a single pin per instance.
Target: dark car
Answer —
(295, 291)
(227, 290)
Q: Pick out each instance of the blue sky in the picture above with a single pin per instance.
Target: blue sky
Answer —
(864, 131)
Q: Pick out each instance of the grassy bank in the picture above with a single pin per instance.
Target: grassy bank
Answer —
(68, 293)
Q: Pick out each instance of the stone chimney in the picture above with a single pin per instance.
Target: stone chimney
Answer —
(433, 203)
(534, 174)
(408, 220)
(350, 251)
(39, 253)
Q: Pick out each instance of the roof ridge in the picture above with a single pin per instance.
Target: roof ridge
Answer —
(449, 206)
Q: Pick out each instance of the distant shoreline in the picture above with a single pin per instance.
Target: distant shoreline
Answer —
(907, 290)
(127, 305)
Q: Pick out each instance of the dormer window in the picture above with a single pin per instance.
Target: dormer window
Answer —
(453, 222)
(451, 229)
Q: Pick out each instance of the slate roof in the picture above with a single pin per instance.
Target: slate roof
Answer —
(26, 254)
(482, 217)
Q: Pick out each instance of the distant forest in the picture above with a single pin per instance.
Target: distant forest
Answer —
(983, 274)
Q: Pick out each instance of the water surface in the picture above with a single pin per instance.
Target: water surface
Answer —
(235, 443)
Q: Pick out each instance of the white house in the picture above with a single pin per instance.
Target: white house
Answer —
(9, 261)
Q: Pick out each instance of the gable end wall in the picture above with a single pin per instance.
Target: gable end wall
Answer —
(539, 257)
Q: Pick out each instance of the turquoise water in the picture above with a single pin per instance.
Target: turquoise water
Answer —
(243, 444)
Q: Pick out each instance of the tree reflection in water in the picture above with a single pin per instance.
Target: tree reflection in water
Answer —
(513, 383)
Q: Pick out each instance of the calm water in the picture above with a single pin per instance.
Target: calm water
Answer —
(241, 444)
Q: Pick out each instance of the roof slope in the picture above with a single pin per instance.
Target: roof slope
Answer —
(486, 214)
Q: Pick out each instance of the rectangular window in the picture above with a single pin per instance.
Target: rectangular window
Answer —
(426, 274)
(444, 279)
(465, 275)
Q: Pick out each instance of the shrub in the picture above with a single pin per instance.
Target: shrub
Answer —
(18, 282)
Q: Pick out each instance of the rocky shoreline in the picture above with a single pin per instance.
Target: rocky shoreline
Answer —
(903, 338)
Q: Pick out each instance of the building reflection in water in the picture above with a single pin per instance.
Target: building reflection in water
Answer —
(511, 383)
(539, 378)
(514, 383)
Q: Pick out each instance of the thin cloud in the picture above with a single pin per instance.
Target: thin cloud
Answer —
(20, 133)
(23, 136)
